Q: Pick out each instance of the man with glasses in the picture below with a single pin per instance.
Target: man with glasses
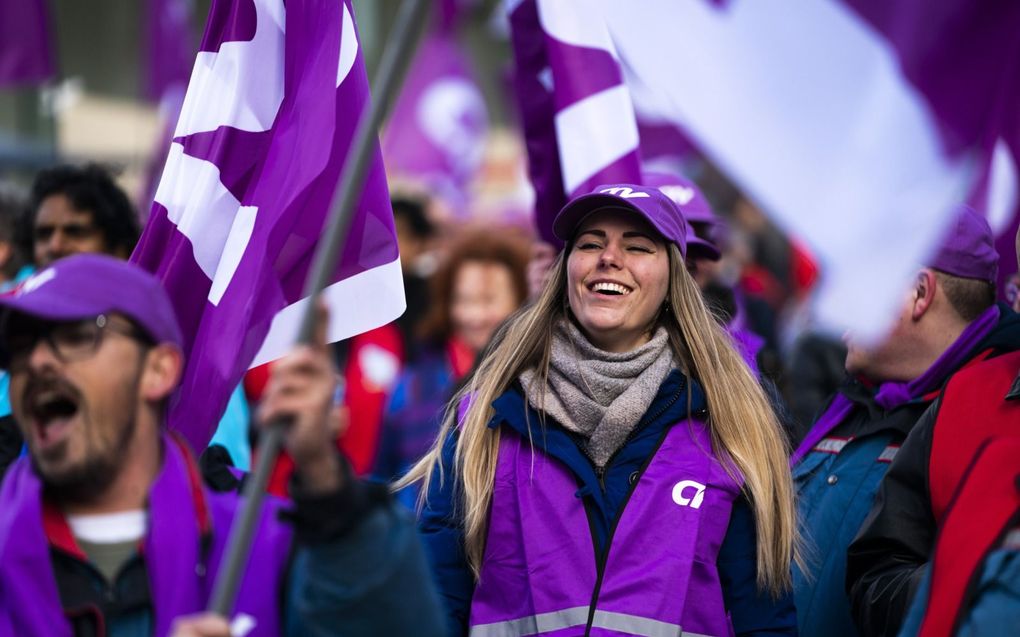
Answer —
(114, 504)
(81, 210)
(71, 210)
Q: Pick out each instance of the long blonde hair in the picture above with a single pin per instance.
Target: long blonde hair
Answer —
(744, 427)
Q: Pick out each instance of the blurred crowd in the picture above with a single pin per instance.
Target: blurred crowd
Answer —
(462, 278)
(853, 413)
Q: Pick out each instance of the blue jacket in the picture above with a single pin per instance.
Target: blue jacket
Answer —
(414, 413)
(996, 609)
(836, 485)
(835, 491)
(752, 612)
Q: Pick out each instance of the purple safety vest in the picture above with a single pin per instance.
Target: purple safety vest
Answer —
(180, 571)
(540, 574)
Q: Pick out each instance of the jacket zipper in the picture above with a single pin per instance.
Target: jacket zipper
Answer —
(601, 560)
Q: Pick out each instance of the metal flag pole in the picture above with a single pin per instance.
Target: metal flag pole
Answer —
(395, 58)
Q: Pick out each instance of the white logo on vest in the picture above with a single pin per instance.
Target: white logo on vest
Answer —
(686, 485)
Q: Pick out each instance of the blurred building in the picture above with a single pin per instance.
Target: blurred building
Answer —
(96, 106)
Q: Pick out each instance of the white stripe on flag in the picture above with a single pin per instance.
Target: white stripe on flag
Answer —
(1002, 188)
(241, 85)
(204, 211)
(348, 47)
(376, 294)
(808, 111)
(582, 154)
(577, 22)
(233, 251)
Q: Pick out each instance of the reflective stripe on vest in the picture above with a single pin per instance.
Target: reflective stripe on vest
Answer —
(577, 617)
(835, 445)
(888, 454)
(831, 444)
(539, 572)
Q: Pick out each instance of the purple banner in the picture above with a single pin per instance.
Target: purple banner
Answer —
(26, 49)
(946, 49)
(439, 124)
(247, 187)
(567, 95)
(170, 47)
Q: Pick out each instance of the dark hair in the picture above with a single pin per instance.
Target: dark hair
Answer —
(968, 297)
(89, 188)
(502, 248)
(413, 211)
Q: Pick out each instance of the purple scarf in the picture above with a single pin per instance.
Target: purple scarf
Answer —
(893, 394)
(29, 600)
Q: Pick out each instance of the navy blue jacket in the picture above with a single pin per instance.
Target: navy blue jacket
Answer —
(752, 612)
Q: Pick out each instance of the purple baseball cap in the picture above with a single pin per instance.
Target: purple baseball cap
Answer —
(651, 203)
(698, 248)
(87, 285)
(968, 250)
(685, 193)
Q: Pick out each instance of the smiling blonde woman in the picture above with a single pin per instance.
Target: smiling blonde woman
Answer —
(612, 466)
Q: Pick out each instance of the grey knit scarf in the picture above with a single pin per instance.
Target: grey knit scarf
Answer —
(599, 395)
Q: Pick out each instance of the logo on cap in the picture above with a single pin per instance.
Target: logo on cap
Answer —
(679, 194)
(625, 193)
(37, 280)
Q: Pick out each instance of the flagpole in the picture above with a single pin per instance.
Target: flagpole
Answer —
(395, 58)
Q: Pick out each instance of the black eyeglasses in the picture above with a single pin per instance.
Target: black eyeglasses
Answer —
(68, 340)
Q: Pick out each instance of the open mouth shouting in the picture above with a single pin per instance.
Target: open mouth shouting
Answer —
(51, 409)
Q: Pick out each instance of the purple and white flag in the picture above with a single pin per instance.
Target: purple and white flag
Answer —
(577, 114)
(270, 112)
(439, 124)
(26, 49)
(857, 124)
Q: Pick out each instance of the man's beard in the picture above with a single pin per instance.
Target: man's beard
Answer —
(90, 479)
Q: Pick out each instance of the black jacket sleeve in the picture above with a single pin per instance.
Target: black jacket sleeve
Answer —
(889, 556)
(10, 443)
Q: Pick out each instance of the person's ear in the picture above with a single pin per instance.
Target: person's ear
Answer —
(924, 293)
(162, 371)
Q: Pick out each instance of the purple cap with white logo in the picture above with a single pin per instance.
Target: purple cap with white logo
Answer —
(650, 203)
(86, 285)
(686, 194)
(968, 250)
